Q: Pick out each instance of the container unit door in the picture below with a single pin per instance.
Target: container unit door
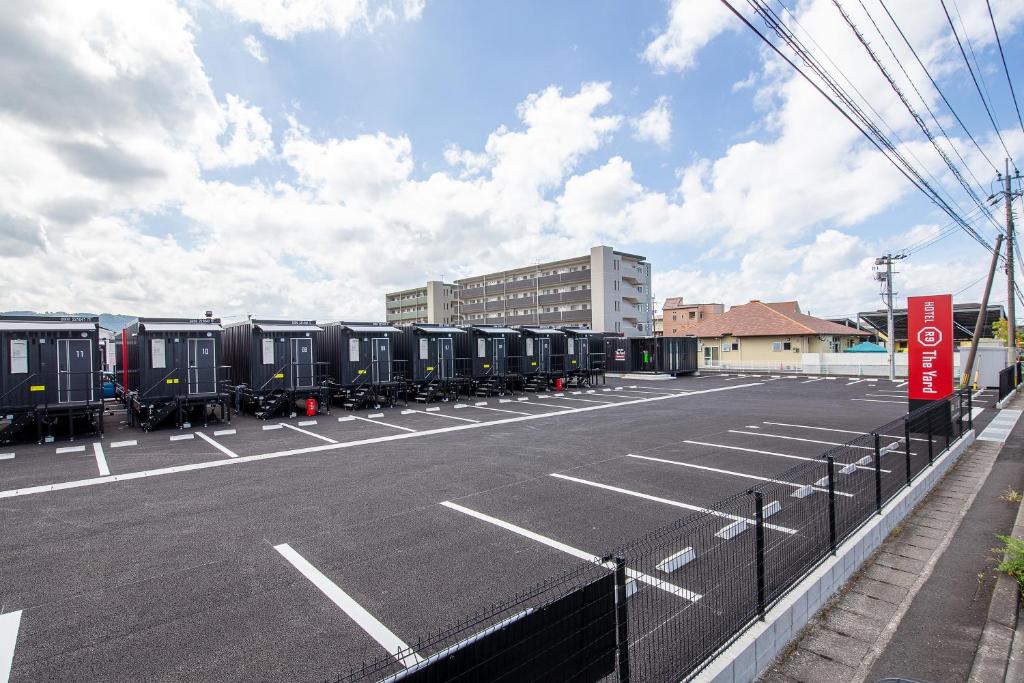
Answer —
(74, 370)
(302, 362)
(583, 353)
(544, 354)
(380, 370)
(426, 354)
(202, 366)
(499, 355)
(446, 358)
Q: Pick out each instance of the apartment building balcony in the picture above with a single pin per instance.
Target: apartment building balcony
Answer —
(565, 278)
(565, 298)
(471, 309)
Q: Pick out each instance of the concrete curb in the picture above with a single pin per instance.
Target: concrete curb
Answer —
(754, 651)
(1009, 397)
(993, 655)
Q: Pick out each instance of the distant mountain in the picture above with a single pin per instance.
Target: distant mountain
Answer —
(110, 321)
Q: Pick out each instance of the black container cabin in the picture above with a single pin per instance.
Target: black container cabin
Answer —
(273, 366)
(430, 356)
(618, 355)
(363, 368)
(584, 354)
(50, 376)
(535, 348)
(172, 367)
(662, 355)
(491, 366)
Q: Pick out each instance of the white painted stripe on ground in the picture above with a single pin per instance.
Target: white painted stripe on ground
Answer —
(182, 437)
(124, 444)
(575, 552)
(503, 410)
(433, 409)
(101, 459)
(592, 400)
(308, 433)
(373, 415)
(876, 400)
(347, 418)
(841, 431)
(676, 560)
(383, 424)
(227, 432)
(219, 446)
(70, 449)
(9, 625)
(193, 467)
(523, 398)
(267, 428)
(666, 501)
(1000, 426)
(369, 623)
(754, 450)
(480, 403)
(450, 417)
(459, 406)
(903, 384)
(6, 456)
(307, 423)
(856, 381)
(409, 412)
(717, 470)
(975, 412)
(797, 438)
(548, 405)
(816, 379)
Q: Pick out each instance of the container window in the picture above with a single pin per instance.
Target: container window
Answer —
(353, 350)
(571, 343)
(481, 347)
(158, 353)
(424, 350)
(529, 347)
(19, 356)
(268, 351)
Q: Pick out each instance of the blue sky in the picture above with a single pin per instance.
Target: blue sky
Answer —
(303, 159)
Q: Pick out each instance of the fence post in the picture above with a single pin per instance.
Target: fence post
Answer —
(931, 457)
(832, 503)
(759, 543)
(622, 619)
(878, 474)
(906, 446)
(970, 410)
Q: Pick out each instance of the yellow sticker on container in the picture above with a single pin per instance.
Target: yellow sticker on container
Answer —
(574, 361)
(486, 365)
(430, 368)
(37, 387)
(533, 363)
(279, 375)
(360, 372)
(170, 380)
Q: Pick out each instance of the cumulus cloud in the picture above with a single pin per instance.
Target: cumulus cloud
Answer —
(692, 24)
(255, 48)
(655, 124)
(284, 19)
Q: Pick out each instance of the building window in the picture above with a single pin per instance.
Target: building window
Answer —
(693, 314)
(674, 318)
(616, 305)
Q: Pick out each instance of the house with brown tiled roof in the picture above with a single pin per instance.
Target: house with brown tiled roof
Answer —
(678, 317)
(771, 335)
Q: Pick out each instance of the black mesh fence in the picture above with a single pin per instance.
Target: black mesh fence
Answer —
(1008, 380)
(682, 593)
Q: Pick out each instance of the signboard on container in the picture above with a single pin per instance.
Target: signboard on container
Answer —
(929, 348)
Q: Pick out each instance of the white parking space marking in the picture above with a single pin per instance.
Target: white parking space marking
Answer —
(450, 417)
(666, 501)
(797, 438)
(731, 473)
(433, 409)
(6, 456)
(1000, 426)
(309, 433)
(369, 623)
(70, 449)
(267, 428)
(375, 415)
(841, 431)
(386, 424)
(225, 432)
(676, 560)
(903, 384)
(347, 418)
(876, 400)
(501, 410)
(307, 423)
(9, 625)
(101, 460)
(575, 552)
(591, 400)
(975, 412)
(181, 437)
(123, 444)
(856, 381)
(219, 446)
(816, 379)
(480, 403)
(754, 450)
(193, 467)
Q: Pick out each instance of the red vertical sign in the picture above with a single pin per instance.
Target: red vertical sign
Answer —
(930, 347)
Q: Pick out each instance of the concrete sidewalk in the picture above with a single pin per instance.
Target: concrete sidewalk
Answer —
(919, 607)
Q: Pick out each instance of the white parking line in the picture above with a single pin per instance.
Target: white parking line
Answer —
(816, 379)
(754, 450)
(101, 460)
(575, 552)
(307, 423)
(385, 424)
(591, 400)
(450, 417)
(267, 428)
(373, 415)
(219, 446)
(856, 381)
(369, 623)
(309, 433)
(841, 431)
(502, 410)
(124, 444)
(433, 409)
(903, 384)
(876, 400)
(6, 456)
(666, 501)
(716, 470)
(797, 438)
(70, 449)
(480, 403)
(181, 437)
(9, 624)
(196, 466)
(227, 432)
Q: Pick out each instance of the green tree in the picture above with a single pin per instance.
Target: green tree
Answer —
(999, 331)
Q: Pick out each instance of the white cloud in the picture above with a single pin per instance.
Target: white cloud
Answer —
(692, 24)
(655, 124)
(284, 19)
(255, 48)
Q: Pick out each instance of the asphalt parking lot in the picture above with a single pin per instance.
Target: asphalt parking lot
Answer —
(293, 548)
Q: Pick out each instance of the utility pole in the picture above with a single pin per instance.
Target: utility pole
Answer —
(1011, 291)
(982, 315)
(886, 278)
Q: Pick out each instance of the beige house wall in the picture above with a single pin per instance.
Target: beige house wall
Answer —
(758, 350)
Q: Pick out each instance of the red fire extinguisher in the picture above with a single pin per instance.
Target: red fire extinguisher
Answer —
(310, 407)
(558, 384)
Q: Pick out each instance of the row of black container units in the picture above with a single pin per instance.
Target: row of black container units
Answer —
(180, 371)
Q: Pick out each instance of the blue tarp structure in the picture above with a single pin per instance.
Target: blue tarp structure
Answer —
(866, 347)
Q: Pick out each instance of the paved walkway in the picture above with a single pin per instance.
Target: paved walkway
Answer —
(918, 607)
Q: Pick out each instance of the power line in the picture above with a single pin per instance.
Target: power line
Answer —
(991, 118)
(1006, 69)
(949, 105)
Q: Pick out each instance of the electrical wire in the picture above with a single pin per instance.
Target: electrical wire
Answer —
(1006, 69)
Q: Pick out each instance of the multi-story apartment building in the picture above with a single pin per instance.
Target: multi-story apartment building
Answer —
(434, 302)
(607, 290)
(678, 317)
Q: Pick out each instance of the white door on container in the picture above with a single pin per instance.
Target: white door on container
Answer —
(74, 370)
(202, 366)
